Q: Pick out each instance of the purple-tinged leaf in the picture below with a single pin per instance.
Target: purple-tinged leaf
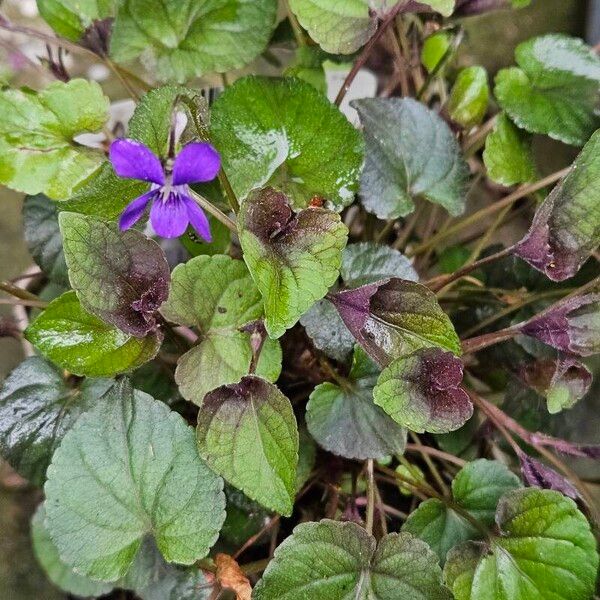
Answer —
(477, 7)
(565, 447)
(394, 317)
(122, 277)
(422, 392)
(562, 381)
(566, 227)
(572, 326)
(537, 474)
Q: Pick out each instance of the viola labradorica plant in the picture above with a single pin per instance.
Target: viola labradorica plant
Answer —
(285, 348)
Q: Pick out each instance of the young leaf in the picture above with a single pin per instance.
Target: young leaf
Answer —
(421, 391)
(308, 66)
(37, 152)
(277, 132)
(129, 468)
(41, 232)
(70, 18)
(60, 574)
(186, 39)
(572, 326)
(508, 156)
(477, 488)
(394, 317)
(545, 550)
(293, 258)
(342, 28)
(84, 345)
(216, 295)
(37, 408)
(469, 98)
(420, 154)
(554, 90)
(345, 421)
(122, 277)
(247, 433)
(338, 560)
(566, 227)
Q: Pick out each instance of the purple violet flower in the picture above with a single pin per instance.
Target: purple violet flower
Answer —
(172, 207)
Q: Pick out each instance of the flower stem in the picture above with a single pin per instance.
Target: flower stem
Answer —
(17, 292)
(489, 339)
(370, 497)
(214, 211)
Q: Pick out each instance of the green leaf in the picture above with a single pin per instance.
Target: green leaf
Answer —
(83, 344)
(308, 66)
(41, 232)
(129, 468)
(122, 277)
(368, 262)
(284, 133)
(216, 295)
(410, 152)
(70, 18)
(554, 90)
(37, 151)
(508, 156)
(566, 227)
(343, 27)
(293, 258)
(434, 49)
(37, 408)
(185, 39)
(421, 391)
(337, 561)
(307, 454)
(545, 550)
(394, 317)
(468, 100)
(477, 489)
(60, 574)
(344, 420)
(247, 433)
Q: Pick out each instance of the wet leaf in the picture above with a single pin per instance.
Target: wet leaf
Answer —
(410, 152)
(293, 258)
(247, 433)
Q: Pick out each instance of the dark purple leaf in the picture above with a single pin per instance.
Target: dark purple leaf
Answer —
(566, 227)
(422, 392)
(537, 474)
(571, 326)
(477, 7)
(395, 317)
(122, 277)
(97, 36)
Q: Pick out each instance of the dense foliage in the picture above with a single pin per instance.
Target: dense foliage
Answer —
(288, 351)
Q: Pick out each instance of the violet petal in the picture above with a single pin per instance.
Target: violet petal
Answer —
(197, 218)
(134, 210)
(195, 163)
(169, 219)
(133, 160)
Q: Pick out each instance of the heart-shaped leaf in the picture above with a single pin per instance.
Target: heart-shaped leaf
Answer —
(181, 40)
(545, 550)
(554, 90)
(337, 561)
(344, 419)
(37, 408)
(394, 317)
(84, 345)
(284, 133)
(410, 152)
(566, 227)
(477, 488)
(508, 156)
(247, 433)
(293, 257)
(37, 151)
(128, 469)
(421, 391)
(120, 276)
(70, 18)
(216, 295)
(41, 232)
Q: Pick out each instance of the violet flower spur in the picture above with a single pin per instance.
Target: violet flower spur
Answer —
(172, 206)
